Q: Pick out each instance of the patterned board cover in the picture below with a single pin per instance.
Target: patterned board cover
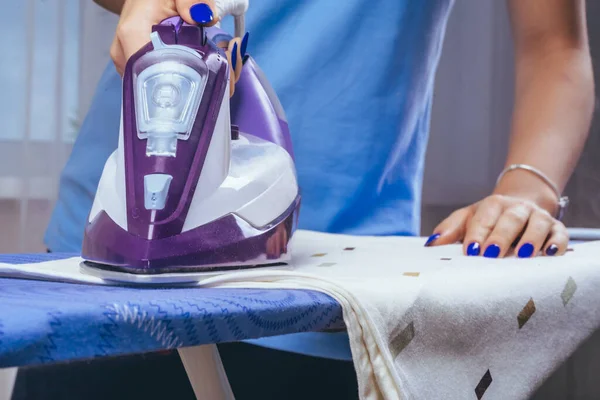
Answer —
(44, 322)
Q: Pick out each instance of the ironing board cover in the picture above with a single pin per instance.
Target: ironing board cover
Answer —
(45, 322)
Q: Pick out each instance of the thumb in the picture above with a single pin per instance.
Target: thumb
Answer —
(452, 229)
(194, 12)
(132, 37)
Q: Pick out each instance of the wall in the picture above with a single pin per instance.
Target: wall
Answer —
(471, 110)
(584, 186)
(471, 107)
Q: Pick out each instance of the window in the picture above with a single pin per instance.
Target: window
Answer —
(39, 70)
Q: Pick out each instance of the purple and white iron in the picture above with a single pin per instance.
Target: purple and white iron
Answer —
(200, 183)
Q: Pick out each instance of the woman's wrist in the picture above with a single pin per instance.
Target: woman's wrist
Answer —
(528, 186)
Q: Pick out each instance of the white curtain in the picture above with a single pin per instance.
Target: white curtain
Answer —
(53, 54)
(39, 79)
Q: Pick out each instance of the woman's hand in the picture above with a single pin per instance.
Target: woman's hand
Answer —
(138, 17)
(553, 107)
(495, 225)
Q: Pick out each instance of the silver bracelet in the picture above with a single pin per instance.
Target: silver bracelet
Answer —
(563, 201)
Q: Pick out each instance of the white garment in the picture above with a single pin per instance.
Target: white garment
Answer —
(429, 323)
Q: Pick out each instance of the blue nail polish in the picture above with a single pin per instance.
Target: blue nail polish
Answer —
(432, 239)
(201, 13)
(492, 251)
(552, 250)
(244, 45)
(234, 56)
(473, 249)
(525, 251)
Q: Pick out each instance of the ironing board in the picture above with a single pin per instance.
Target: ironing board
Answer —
(49, 322)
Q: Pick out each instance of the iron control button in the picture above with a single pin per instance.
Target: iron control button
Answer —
(156, 188)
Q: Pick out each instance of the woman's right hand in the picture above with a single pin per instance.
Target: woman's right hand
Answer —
(138, 17)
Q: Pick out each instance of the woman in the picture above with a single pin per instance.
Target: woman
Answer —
(356, 79)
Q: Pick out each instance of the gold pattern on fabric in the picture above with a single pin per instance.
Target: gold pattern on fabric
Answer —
(327, 264)
(568, 291)
(526, 313)
(483, 385)
(400, 342)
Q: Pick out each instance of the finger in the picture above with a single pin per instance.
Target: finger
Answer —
(236, 57)
(538, 228)
(133, 34)
(244, 45)
(509, 227)
(231, 75)
(558, 240)
(452, 229)
(117, 55)
(277, 245)
(275, 249)
(269, 249)
(482, 224)
(198, 12)
(280, 244)
(235, 65)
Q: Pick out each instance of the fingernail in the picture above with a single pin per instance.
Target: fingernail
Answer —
(244, 44)
(492, 251)
(552, 250)
(201, 13)
(234, 56)
(525, 251)
(432, 239)
(473, 249)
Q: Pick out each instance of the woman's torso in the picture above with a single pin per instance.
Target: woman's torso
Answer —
(355, 78)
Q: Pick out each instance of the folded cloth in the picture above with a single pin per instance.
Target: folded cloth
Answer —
(430, 323)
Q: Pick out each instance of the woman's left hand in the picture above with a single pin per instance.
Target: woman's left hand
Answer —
(497, 224)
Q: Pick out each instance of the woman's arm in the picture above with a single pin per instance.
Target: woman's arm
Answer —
(114, 6)
(553, 106)
(554, 97)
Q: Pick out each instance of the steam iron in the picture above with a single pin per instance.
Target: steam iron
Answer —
(201, 183)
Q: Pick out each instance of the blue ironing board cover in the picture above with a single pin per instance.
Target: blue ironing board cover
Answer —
(47, 322)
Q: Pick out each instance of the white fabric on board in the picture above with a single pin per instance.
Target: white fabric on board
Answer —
(430, 323)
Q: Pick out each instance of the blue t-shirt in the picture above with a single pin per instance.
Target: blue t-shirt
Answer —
(355, 78)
